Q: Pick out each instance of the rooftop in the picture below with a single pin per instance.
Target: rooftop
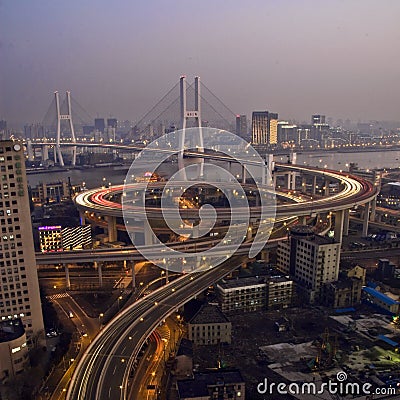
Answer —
(198, 386)
(380, 296)
(11, 330)
(185, 348)
(239, 282)
(209, 314)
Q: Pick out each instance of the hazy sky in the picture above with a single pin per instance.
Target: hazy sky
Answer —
(339, 58)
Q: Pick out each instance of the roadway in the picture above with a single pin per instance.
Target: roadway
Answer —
(355, 191)
(86, 329)
(103, 371)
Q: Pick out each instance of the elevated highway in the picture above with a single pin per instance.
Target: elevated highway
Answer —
(103, 371)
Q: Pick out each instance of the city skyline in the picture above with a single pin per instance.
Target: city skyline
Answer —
(333, 59)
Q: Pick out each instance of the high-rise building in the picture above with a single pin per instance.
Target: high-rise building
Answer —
(273, 128)
(317, 119)
(112, 122)
(241, 126)
(312, 260)
(34, 131)
(264, 128)
(259, 127)
(19, 289)
(99, 124)
(318, 127)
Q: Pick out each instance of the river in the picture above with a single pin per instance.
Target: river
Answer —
(96, 177)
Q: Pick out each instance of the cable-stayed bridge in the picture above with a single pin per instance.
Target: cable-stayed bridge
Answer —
(184, 105)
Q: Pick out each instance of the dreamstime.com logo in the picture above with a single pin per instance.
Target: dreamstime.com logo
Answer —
(210, 206)
(339, 386)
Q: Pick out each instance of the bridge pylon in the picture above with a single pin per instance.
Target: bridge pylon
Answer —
(185, 115)
(61, 117)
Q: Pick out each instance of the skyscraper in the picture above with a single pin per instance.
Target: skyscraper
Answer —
(241, 126)
(112, 122)
(264, 127)
(99, 124)
(317, 119)
(273, 128)
(19, 290)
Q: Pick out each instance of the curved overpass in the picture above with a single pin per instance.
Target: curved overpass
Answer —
(103, 371)
(355, 191)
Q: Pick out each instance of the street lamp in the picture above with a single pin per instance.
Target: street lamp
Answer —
(101, 315)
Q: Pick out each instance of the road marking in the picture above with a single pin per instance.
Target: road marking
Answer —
(114, 370)
(58, 296)
(109, 393)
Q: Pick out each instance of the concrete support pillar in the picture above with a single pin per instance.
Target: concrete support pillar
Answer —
(302, 219)
(288, 177)
(274, 181)
(304, 184)
(250, 231)
(268, 172)
(314, 185)
(148, 234)
(67, 280)
(346, 222)
(98, 266)
(292, 181)
(82, 217)
(339, 218)
(373, 210)
(326, 186)
(367, 208)
(112, 228)
(244, 174)
(133, 276)
(45, 152)
(265, 256)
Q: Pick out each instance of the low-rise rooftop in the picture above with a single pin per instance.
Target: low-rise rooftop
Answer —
(209, 314)
(11, 330)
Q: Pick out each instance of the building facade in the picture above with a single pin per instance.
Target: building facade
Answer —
(279, 292)
(209, 326)
(242, 294)
(221, 385)
(343, 293)
(13, 349)
(264, 128)
(380, 300)
(241, 126)
(19, 290)
(255, 293)
(312, 261)
(56, 238)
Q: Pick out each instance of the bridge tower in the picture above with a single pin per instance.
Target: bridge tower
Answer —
(185, 115)
(67, 117)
